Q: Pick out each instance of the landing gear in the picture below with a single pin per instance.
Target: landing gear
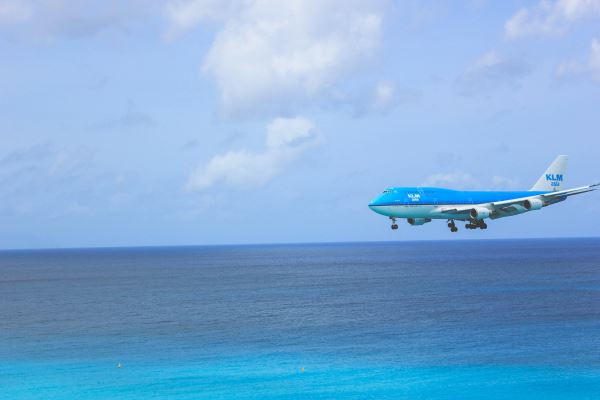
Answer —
(394, 224)
(452, 226)
(474, 224)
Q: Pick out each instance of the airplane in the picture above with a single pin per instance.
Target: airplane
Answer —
(420, 205)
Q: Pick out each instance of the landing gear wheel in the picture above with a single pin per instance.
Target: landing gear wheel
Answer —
(452, 225)
(394, 226)
(483, 225)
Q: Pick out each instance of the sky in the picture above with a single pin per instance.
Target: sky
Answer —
(184, 122)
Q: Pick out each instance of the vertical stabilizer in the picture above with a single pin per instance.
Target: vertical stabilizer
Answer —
(554, 177)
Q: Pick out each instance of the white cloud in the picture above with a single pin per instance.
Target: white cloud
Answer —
(591, 67)
(186, 14)
(271, 56)
(489, 60)
(463, 180)
(385, 93)
(595, 59)
(549, 18)
(569, 68)
(44, 20)
(14, 11)
(287, 138)
(492, 70)
(51, 181)
(503, 183)
(455, 179)
(385, 97)
(267, 58)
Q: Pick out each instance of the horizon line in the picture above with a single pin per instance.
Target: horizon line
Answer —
(157, 246)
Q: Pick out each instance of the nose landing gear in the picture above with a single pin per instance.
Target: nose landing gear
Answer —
(394, 224)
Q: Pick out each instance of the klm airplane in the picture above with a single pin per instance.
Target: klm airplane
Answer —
(420, 205)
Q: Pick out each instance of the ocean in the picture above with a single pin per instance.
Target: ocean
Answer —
(488, 319)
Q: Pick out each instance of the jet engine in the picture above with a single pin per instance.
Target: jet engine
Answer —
(533, 204)
(479, 213)
(418, 221)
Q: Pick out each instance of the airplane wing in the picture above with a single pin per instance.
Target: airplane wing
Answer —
(505, 205)
(571, 192)
(516, 204)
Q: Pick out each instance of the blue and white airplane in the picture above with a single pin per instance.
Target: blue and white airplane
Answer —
(420, 205)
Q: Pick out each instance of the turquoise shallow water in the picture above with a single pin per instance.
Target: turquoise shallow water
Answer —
(444, 320)
(281, 378)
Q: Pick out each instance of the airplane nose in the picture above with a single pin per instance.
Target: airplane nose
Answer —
(375, 202)
(377, 208)
(372, 205)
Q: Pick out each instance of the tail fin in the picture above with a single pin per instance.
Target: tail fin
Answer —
(553, 178)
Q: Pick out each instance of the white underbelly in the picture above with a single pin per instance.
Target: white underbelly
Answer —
(416, 211)
(405, 211)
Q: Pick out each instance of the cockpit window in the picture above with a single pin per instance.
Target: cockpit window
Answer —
(386, 191)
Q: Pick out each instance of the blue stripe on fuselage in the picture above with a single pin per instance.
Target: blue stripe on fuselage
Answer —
(439, 196)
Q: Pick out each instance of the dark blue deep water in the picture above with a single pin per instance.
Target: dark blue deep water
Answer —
(516, 319)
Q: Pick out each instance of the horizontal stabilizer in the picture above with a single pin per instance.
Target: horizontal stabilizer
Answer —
(571, 192)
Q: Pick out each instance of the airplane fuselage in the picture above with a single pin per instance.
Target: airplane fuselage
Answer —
(420, 205)
(429, 202)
